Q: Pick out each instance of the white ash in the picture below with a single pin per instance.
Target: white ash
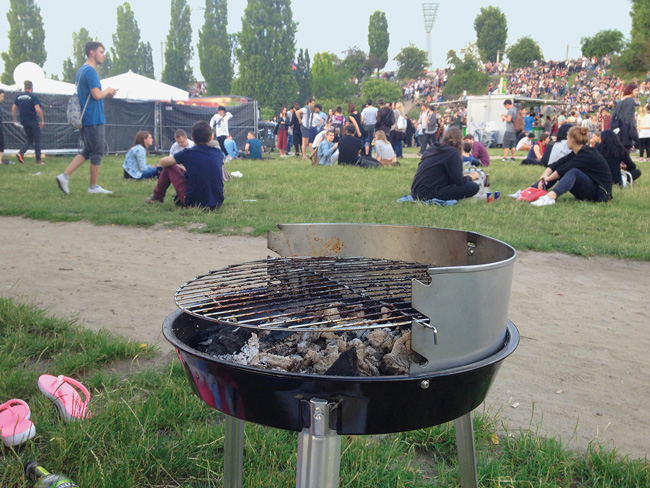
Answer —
(384, 351)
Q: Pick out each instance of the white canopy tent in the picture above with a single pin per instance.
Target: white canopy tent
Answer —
(34, 73)
(133, 86)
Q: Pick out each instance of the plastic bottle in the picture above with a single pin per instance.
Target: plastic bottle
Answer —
(37, 473)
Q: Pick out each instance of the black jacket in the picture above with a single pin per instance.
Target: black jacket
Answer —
(593, 164)
(441, 167)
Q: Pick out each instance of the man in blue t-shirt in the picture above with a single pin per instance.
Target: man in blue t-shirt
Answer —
(253, 147)
(195, 173)
(31, 118)
(91, 96)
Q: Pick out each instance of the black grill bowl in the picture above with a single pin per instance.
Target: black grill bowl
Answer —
(364, 405)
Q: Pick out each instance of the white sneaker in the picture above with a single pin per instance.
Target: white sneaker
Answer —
(98, 189)
(63, 183)
(542, 201)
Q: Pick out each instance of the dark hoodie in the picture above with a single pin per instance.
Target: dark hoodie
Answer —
(440, 168)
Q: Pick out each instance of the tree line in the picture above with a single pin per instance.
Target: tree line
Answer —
(270, 69)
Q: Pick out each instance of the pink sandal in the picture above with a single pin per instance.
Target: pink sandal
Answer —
(64, 392)
(15, 426)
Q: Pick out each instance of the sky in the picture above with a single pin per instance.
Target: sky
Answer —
(336, 25)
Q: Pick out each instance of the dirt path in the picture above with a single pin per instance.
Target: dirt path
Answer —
(582, 369)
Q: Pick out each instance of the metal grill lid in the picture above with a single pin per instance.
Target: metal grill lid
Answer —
(307, 294)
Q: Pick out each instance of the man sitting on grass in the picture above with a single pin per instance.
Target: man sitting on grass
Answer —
(253, 148)
(195, 172)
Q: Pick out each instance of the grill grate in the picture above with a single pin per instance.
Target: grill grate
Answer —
(307, 294)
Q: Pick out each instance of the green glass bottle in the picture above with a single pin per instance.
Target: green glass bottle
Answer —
(37, 473)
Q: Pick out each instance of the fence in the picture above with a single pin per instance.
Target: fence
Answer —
(123, 119)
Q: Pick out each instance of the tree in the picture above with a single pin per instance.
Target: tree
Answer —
(356, 63)
(215, 48)
(411, 61)
(523, 52)
(329, 79)
(303, 76)
(128, 53)
(72, 65)
(491, 33)
(145, 53)
(605, 42)
(465, 75)
(178, 49)
(379, 88)
(636, 55)
(265, 53)
(378, 40)
(26, 37)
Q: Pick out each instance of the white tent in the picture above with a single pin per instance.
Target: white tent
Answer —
(137, 87)
(34, 73)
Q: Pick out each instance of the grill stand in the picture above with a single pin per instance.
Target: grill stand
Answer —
(319, 451)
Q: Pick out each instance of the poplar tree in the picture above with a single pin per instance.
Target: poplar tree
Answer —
(215, 48)
(128, 53)
(178, 50)
(303, 76)
(26, 37)
(491, 29)
(265, 53)
(378, 40)
(72, 65)
(145, 53)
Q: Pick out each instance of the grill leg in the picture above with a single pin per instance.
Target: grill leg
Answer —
(466, 453)
(233, 452)
(319, 450)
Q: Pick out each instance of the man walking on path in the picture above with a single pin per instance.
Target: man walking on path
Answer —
(89, 90)
(31, 118)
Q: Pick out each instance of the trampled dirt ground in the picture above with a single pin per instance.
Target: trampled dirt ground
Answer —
(581, 372)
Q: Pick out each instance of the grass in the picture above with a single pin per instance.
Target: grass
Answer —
(290, 191)
(149, 430)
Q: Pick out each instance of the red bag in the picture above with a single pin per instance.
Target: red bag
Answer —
(531, 194)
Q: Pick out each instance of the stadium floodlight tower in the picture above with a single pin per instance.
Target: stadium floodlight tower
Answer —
(430, 12)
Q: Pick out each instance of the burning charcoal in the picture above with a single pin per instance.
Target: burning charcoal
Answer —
(346, 365)
(367, 364)
(228, 341)
(380, 338)
(248, 353)
(280, 363)
(276, 335)
(332, 314)
(398, 360)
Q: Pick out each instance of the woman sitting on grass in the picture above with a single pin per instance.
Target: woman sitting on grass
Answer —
(617, 157)
(440, 172)
(135, 162)
(385, 152)
(583, 172)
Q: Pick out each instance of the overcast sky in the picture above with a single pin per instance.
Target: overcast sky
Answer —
(336, 25)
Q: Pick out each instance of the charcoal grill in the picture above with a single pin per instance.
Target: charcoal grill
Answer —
(451, 287)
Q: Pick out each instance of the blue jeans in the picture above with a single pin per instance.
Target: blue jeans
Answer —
(398, 148)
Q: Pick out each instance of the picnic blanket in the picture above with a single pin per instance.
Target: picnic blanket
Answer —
(433, 201)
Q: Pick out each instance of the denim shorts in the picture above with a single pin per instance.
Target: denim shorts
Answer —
(369, 135)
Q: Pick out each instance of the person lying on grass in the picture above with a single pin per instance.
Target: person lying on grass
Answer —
(194, 172)
(583, 172)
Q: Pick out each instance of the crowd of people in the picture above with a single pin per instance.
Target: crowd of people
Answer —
(584, 146)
